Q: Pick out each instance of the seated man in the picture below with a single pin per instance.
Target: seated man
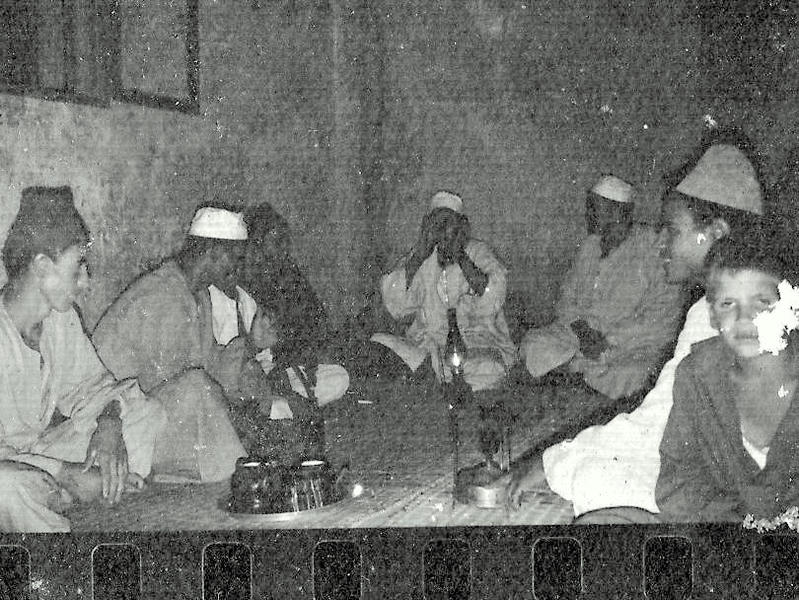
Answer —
(616, 312)
(447, 270)
(731, 444)
(68, 430)
(617, 464)
(293, 324)
(162, 331)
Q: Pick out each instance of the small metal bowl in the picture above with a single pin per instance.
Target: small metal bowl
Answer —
(485, 497)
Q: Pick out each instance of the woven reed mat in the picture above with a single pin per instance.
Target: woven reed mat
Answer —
(395, 437)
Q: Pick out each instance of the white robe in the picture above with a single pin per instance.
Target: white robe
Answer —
(65, 375)
(480, 318)
(617, 464)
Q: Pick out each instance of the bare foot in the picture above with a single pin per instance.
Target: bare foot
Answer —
(88, 486)
(84, 487)
(134, 483)
(60, 500)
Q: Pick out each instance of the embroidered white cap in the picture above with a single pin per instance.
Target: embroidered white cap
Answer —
(614, 188)
(218, 223)
(724, 176)
(448, 200)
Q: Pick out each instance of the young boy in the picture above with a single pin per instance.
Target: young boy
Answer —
(68, 430)
(731, 443)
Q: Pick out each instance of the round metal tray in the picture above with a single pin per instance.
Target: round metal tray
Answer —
(279, 517)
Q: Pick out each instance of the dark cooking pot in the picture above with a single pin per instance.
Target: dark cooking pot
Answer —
(260, 486)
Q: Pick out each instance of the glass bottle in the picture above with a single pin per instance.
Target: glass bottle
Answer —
(455, 348)
(313, 423)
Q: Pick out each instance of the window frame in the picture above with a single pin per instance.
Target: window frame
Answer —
(191, 102)
(111, 67)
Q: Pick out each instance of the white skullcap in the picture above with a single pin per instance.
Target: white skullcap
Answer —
(724, 176)
(446, 200)
(613, 188)
(218, 223)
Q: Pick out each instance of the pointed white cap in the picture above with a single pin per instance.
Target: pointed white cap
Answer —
(724, 176)
(218, 223)
(446, 200)
(614, 188)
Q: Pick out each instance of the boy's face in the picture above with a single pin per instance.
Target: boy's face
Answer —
(686, 245)
(736, 297)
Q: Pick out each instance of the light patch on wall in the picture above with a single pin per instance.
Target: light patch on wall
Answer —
(488, 18)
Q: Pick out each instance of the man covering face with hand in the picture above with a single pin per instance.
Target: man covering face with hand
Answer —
(447, 269)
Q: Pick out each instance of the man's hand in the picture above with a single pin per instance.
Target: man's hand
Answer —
(513, 492)
(526, 476)
(263, 332)
(477, 279)
(86, 485)
(454, 236)
(429, 236)
(108, 452)
(592, 342)
(594, 345)
(58, 497)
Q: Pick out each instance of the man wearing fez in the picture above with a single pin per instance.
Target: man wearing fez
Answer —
(164, 331)
(447, 269)
(616, 313)
(68, 430)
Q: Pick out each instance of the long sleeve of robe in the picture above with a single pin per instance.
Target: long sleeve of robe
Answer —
(65, 375)
(626, 297)
(158, 329)
(607, 292)
(480, 318)
(153, 330)
(617, 464)
(706, 473)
